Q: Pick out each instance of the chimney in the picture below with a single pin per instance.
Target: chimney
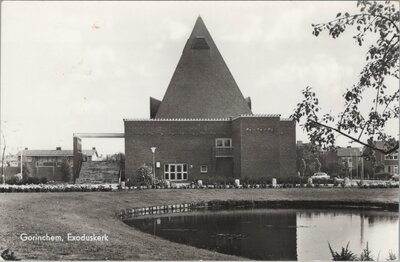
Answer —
(26, 148)
(58, 148)
(93, 148)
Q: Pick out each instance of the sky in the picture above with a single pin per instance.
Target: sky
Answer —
(76, 67)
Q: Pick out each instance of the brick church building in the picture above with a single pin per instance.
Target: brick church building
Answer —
(204, 126)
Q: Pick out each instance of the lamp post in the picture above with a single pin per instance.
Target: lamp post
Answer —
(153, 150)
(21, 161)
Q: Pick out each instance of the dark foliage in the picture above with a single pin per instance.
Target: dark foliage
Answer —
(344, 255)
(382, 64)
(27, 181)
(8, 255)
(66, 170)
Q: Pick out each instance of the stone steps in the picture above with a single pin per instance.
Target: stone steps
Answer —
(99, 172)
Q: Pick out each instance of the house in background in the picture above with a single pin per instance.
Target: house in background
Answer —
(92, 155)
(384, 164)
(350, 161)
(204, 127)
(47, 163)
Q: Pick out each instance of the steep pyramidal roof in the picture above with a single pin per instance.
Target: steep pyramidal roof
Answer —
(202, 85)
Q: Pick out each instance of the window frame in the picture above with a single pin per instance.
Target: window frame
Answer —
(392, 156)
(171, 172)
(223, 140)
(202, 170)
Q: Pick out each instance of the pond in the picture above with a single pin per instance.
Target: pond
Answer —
(278, 234)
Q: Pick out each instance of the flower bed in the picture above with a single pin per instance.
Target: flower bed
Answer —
(380, 184)
(54, 188)
(106, 188)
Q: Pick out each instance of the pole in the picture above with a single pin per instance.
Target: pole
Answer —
(21, 162)
(356, 158)
(351, 167)
(154, 166)
(362, 169)
(153, 150)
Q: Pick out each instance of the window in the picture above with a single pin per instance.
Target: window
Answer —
(391, 169)
(392, 156)
(203, 169)
(349, 162)
(223, 142)
(175, 171)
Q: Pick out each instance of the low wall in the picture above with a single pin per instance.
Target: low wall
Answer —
(229, 204)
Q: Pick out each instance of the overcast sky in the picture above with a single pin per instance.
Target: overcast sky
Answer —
(84, 66)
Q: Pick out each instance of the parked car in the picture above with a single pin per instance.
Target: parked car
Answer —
(395, 177)
(320, 175)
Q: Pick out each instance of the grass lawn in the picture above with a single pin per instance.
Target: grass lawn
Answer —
(94, 212)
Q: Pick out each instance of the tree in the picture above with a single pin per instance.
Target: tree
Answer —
(318, 165)
(346, 167)
(144, 175)
(27, 171)
(382, 64)
(333, 169)
(306, 155)
(66, 170)
(3, 155)
(303, 166)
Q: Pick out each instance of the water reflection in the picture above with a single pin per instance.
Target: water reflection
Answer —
(278, 234)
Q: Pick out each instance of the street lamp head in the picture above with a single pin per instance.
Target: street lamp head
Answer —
(153, 149)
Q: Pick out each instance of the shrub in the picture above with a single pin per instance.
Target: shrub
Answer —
(26, 171)
(392, 256)
(13, 180)
(257, 181)
(219, 180)
(29, 180)
(32, 180)
(161, 182)
(144, 176)
(129, 183)
(18, 177)
(344, 255)
(8, 255)
(366, 254)
(66, 170)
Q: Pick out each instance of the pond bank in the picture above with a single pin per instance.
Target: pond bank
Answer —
(94, 212)
(233, 204)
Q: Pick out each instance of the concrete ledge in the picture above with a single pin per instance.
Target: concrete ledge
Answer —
(234, 204)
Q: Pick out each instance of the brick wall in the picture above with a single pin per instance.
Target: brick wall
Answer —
(260, 147)
(237, 147)
(188, 142)
(287, 135)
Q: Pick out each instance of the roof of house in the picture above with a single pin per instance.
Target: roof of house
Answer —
(202, 85)
(59, 153)
(89, 152)
(352, 151)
